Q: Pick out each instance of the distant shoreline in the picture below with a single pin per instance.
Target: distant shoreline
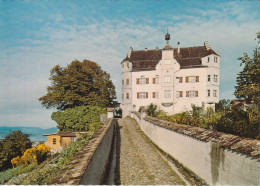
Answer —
(35, 133)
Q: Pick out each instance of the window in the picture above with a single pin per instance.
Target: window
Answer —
(127, 95)
(167, 93)
(54, 141)
(155, 95)
(179, 94)
(122, 96)
(147, 80)
(197, 78)
(179, 79)
(192, 93)
(208, 78)
(167, 79)
(157, 80)
(208, 92)
(216, 59)
(72, 139)
(191, 79)
(167, 62)
(137, 80)
(215, 93)
(215, 78)
(127, 81)
(122, 82)
(208, 59)
(142, 80)
(127, 64)
(142, 95)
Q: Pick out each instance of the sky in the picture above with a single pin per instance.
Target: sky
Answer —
(37, 35)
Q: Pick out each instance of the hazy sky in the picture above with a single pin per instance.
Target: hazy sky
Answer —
(36, 35)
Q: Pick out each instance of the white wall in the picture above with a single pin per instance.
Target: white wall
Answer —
(97, 166)
(211, 163)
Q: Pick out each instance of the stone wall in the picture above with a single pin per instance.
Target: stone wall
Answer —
(88, 166)
(215, 157)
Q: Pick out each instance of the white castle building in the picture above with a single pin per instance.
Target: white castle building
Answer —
(171, 78)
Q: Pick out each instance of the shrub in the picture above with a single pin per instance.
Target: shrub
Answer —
(239, 122)
(81, 118)
(10, 173)
(33, 155)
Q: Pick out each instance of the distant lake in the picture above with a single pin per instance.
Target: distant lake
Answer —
(35, 133)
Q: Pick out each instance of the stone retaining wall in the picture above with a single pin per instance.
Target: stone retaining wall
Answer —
(88, 166)
(216, 157)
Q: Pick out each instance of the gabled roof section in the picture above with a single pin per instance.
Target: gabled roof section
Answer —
(145, 60)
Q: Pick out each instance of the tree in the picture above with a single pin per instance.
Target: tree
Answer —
(14, 144)
(82, 118)
(248, 80)
(223, 106)
(78, 84)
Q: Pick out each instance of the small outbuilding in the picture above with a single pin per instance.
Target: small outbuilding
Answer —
(60, 140)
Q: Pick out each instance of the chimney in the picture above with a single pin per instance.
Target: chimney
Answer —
(179, 49)
(156, 48)
(206, 44)
(145, 49)
(129, 52)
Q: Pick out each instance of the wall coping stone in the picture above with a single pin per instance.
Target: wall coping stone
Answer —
(247, 146)
(72, 173)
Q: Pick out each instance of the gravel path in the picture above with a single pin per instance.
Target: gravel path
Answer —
(139, 161)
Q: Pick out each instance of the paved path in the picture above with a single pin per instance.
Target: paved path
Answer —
(139, 161)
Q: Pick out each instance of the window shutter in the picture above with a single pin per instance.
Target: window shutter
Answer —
(137, 80)
(147, 80)
(181, 93)
(153, 94)
(197, 93)
(180, 80)
(146, 94)
(187, 79)
(187, 93)
(197, 79)
(153, 80)
(138, 95)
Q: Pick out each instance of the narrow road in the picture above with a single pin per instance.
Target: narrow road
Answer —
(138, 161)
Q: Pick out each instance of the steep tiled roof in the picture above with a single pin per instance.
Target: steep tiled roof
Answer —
(148, 59)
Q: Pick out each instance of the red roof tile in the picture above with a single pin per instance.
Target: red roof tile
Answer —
(144, 60)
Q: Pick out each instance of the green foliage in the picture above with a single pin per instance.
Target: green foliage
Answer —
(69, 152)
(41, 176)
(248, 80)
(10, 173)
(79, 84)
(227, 119)
(82, 118)
(223, 106)
(239, 122)
(152, 110)
(14, 144)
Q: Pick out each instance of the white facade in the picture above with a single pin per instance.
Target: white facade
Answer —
(172, 86)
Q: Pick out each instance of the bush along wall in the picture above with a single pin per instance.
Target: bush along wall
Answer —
(81, 118)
